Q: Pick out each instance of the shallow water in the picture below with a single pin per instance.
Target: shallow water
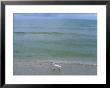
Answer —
(55, 39)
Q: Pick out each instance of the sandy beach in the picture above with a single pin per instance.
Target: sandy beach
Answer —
(43, 67)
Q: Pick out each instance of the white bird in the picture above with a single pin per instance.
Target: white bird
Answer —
(56, 66)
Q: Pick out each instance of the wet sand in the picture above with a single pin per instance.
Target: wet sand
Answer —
(37, 67)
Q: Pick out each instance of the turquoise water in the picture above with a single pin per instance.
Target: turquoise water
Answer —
(55, 39)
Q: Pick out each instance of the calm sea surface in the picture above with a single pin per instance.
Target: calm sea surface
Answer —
(55, 39)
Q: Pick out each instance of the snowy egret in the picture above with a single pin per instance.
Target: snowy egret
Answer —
(56, 66)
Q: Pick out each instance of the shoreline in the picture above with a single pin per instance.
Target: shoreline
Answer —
(57, 61)
(43, 67)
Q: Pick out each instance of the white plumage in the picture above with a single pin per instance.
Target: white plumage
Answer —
(56, 66)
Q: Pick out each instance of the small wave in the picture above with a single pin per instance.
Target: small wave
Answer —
(68, 62)
(58, 61)
(54, 33)
(74, 62)
(39, 33)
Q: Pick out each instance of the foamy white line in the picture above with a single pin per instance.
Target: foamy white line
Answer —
(58, 61)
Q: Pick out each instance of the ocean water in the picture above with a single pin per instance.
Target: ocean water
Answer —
(55, 39)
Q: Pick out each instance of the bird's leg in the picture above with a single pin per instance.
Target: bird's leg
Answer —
(53, 69)
(59, 69)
